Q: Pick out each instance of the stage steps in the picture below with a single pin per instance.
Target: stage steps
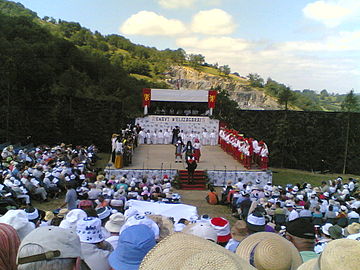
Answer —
(199, 182)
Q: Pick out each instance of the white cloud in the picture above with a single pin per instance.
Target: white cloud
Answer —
(149, 23)
(172, 4)
(298, 70)
(214, 43)
(213, 22)
(343, 41)
(332, 12)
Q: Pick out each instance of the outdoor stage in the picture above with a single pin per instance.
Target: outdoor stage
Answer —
(159, 160)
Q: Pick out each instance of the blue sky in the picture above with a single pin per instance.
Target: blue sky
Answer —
(305, 44)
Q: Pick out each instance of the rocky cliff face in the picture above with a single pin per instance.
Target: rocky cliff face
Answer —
(238, 88)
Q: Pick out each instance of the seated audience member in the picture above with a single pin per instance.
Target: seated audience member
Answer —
(50, 248)
(222, 228)
(19, 221)
(113, 226)
(301, 233)
(93, 245)
(212, 197)
(238, 233)
(338, 254)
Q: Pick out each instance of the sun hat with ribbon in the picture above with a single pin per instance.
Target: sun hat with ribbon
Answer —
(103, 212)
(222, 228)
(89, 230)
(269, 251)
(337, 254)
(186, 251)
(201, 229)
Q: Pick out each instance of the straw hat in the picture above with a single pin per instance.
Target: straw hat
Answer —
(239, 230)
(186, 251)
(201, 229)
(166, 227)
(49, 215)
(62, 213)
(269, 251)
(352, 229)
(342, 251)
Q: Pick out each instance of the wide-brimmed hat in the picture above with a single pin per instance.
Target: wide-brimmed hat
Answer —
(181, 251)
(266, 250)
(201, 229)
(89, 230)
(337, 254)
(165, 225)
(49, 215)
(62, 213)
(115, 222)
(19, 221)
(103, 212)
(140, 219)
(239, 230)
(352, 229)
(336, 232)
(325, 228)
(256, 222)
(71, 219)
(32, 213)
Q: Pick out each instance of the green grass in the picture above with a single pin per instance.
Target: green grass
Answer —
(286, 176)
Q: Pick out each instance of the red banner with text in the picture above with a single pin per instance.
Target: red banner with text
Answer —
(146, 97)
(212, 98)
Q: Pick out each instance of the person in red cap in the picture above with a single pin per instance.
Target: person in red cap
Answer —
(222, 228)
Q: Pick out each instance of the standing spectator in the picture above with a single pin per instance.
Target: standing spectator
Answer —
(70, 197)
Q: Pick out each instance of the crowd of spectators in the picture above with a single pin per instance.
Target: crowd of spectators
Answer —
(96, 228)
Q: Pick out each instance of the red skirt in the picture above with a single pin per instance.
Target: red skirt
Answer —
(197, 154)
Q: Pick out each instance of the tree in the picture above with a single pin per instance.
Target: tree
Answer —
(196, 60)
(225, 69)
(351, 103)
(255, 80)
(286, 96)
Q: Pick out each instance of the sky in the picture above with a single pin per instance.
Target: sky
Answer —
(305, 44)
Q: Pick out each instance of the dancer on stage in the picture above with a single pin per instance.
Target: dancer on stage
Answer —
(191, 167)
(197, 152)
(189, 150)
(213, 138)
(175, 133)
(178, 151)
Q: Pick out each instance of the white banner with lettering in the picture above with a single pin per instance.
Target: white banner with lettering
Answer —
(195, 125)
(177, 211)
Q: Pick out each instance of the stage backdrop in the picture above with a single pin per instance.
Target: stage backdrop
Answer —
(186, 123)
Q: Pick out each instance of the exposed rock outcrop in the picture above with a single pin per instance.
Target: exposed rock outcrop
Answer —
(247, 97)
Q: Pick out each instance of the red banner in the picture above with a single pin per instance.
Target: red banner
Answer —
(212, 98)
(146, 97)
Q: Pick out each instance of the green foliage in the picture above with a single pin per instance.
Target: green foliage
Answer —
(255, 80)
(351, 103)
(196, 60)
(225, 69)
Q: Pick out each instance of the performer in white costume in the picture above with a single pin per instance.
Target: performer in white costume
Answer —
(148, 137)
(160, 137)
(213, 138)
(141, 137)
(205, 137)
(153, 137)
(167, 136)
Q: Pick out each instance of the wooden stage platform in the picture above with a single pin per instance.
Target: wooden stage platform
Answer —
(162, 156)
